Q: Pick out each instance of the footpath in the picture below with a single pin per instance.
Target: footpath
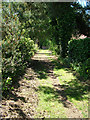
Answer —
(39, 93)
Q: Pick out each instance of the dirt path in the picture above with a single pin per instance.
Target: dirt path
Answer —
(23, 100)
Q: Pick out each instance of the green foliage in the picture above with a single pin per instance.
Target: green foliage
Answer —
(84, 69)
(17, 47)
(7, 84)
(78, 53)
(53, 47)
(78, 50)
(62, 20)
(27, 48)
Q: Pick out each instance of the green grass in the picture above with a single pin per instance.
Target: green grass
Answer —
(76, 91)
(81, 105)
(48, 106)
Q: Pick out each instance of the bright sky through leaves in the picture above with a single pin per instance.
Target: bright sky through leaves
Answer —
(82, 2)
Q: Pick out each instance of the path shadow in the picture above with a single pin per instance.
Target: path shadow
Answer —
(53, 94)
(13, 106)
(42, 68)
(12, 94)
(75, 88)
(16, 108)
(60, 92)
(15, 97)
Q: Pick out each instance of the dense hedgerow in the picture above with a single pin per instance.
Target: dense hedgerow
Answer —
(78, 50)
(84, 69)
(78, 53)
(17, 48)
(15, 60)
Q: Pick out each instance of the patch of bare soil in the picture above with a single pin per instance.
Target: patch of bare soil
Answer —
(23, 100)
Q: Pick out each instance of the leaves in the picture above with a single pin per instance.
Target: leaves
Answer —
(17, 48)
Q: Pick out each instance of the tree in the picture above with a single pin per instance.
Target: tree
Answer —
(62, 17)
(82, 19)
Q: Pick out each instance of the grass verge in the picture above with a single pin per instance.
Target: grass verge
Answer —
(76, 90)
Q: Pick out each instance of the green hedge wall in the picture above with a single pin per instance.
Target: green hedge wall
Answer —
(78, 50)
(78, 54)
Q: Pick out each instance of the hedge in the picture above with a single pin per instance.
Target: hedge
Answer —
(17, 47)
(78, 54)
(78, 50)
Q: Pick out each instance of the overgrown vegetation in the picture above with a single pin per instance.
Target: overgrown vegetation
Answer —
(26, 25)
(17, 47)
(78, 50)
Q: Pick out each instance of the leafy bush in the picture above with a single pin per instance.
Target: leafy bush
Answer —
(12, 60)
(78, 50)
(78, 54)
(84, 69)
(17, 49)
(27, 48)
(53, 47)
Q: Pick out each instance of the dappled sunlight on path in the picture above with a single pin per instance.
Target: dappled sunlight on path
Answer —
(43, 55)
(41, 92)
(50, 84)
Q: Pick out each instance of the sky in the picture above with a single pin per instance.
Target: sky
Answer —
(82, 2)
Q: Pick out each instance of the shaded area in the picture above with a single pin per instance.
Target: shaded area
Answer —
(75, 88)
(20, 112)
(60, 92)
(14, 107)
(15, 97)
(20, 72)
(55, 94)
(43, 69)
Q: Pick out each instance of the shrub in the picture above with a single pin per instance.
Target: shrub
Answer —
(19, 57)
(27, 48)
(53, 47)
(78, 50)
(78, 54)
(16, 48)
(84, 69)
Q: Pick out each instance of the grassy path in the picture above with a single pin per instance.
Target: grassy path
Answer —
(48, 89)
